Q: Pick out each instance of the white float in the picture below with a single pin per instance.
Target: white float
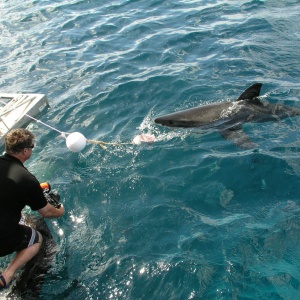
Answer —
(76, 141)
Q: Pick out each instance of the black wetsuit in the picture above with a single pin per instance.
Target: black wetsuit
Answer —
(18, 188)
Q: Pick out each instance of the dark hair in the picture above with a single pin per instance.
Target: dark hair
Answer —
(18, 139)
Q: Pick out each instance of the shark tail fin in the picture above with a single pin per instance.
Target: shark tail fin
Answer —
(251, 92)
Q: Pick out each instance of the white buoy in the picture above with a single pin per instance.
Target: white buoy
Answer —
(76, 142)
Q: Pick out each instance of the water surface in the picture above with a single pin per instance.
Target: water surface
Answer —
(190, 216)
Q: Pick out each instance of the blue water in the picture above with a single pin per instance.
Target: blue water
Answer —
(190, 216)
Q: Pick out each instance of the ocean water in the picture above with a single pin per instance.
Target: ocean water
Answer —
(190, 216)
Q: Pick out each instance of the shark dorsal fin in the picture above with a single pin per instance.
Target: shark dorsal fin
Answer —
(251, 92)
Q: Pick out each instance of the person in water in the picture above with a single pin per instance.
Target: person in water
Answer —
(18, 188)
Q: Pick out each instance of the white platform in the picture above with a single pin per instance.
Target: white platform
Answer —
(14, 107)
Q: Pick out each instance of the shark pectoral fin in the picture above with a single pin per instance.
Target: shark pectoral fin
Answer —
(238, 137)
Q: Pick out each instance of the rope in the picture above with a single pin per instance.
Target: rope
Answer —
(102, 144)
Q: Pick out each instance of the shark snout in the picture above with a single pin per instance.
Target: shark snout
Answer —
(163, 121)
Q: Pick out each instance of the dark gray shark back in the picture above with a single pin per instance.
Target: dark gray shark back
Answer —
(206, 115)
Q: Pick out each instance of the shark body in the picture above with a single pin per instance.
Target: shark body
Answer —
(228, 117)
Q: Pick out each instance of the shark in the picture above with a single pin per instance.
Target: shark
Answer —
(229, 117)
